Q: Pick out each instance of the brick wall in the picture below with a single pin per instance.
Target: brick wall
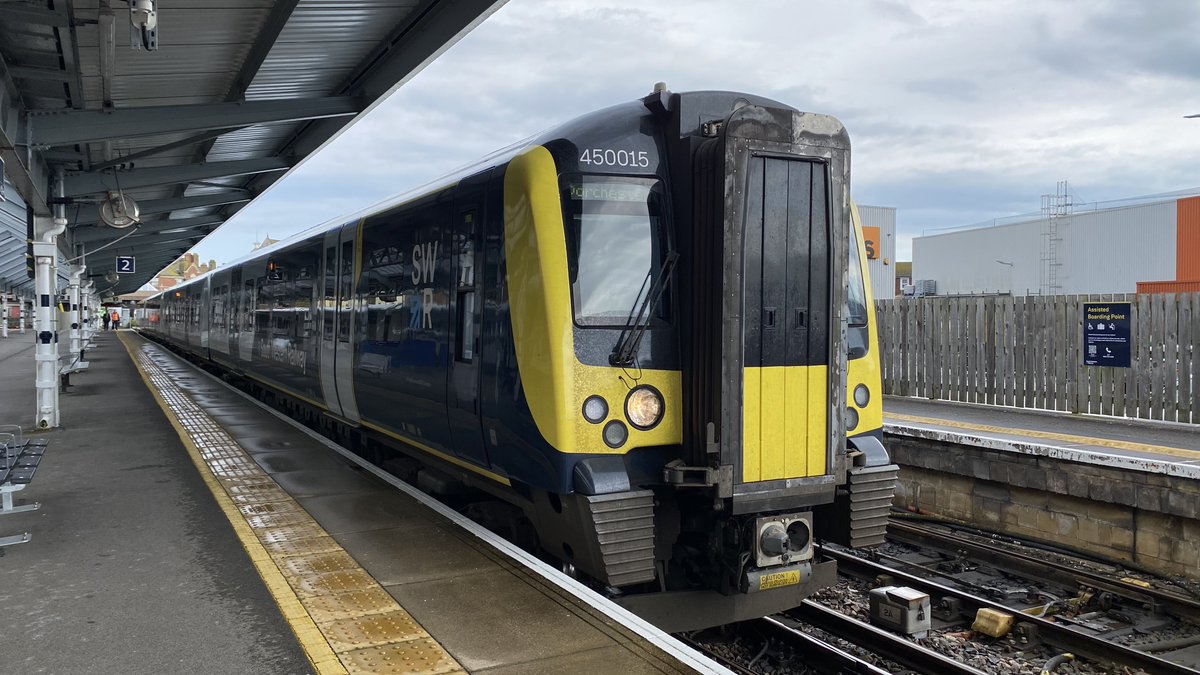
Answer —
(1150, 519)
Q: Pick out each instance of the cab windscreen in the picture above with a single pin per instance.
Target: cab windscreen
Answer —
(616, 240)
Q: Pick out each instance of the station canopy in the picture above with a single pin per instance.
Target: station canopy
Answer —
(188, 108)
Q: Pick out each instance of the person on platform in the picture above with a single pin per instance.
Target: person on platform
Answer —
(107, 319)
(116, 320)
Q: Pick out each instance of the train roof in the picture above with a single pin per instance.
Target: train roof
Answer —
(496, 158)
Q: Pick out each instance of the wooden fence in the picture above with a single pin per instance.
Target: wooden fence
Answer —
(1027, 352)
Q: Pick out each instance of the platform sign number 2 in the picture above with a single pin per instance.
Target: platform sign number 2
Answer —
(125, 264)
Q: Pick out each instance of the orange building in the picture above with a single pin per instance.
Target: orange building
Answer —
(1187, 252)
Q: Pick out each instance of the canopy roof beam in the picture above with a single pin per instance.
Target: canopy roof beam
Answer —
(89, 215)
(24, 169)
(79, 185)
(98, 234)
(90, 126)
(158, 150)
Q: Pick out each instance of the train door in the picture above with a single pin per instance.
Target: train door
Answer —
(205, 314)
(249, 296)
(463, 375)
(340, 253)
(327, 319)
(233, 306)
(786, 266)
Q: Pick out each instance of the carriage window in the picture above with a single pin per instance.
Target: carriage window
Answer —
(857, 337)
(856, 285)
(616, 238)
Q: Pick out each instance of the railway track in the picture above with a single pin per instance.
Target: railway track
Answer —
(1034, 628)
(786, 633)
(878, 641)
(1040, 569)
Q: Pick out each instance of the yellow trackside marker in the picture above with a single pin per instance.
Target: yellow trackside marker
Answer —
(1051, 436)
(343, 619)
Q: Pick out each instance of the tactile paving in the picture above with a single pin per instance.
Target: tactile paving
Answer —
(331, 583)
(365, 627)
(415, 657)
(282, 549)
(249, 485)
(372, 630)
(276, 520)
(267, 508)
(326, 608)
(319, 563)
(290, 532)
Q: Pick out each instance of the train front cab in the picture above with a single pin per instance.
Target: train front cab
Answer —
(755, 405)
(778, 331)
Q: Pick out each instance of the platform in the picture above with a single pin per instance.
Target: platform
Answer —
(331, 567)
(131, 567)
(1160, 447)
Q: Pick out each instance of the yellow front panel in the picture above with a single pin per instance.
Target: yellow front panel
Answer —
(784, 422)
(818, 420)
(539, 292)
(751, 429)
(866, 370)
(774, 442)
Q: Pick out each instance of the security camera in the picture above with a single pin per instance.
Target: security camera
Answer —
(142, 14)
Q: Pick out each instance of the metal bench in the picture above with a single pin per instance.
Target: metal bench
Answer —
(19, 461)
(18, 439)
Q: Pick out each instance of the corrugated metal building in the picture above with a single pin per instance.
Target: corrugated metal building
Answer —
(13, 235)
(1101, 251)
(879, 233)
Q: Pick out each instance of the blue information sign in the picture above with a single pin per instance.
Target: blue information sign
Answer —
(1106, 334)
(125, 264)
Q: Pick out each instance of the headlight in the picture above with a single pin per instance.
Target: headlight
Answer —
(595, 409)
(615, 434)
(862, 396)
(851, 419)
(644, 407)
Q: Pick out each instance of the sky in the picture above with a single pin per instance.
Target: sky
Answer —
(958, 112)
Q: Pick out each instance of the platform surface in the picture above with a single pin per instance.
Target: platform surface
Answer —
(131, 568)
(1160, 446)
(320, 565)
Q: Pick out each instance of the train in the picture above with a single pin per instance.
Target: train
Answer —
(647, 332)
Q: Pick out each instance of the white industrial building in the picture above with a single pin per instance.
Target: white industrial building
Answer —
(1105, 250)
(879, 231)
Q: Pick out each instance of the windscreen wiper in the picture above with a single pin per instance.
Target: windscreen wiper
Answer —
(626, 349)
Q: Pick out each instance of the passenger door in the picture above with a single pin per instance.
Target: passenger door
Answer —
(345, 318)
(463, 374)
(327, 318)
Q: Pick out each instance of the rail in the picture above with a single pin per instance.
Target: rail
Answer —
(1038, 568)
(1049, 631)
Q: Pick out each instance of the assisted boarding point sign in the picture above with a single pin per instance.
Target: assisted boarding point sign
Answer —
(1106, 334)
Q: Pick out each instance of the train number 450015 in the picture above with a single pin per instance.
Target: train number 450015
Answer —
(610, 157)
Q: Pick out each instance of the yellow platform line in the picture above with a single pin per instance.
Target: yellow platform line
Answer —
(344, 621)
(1113, 444)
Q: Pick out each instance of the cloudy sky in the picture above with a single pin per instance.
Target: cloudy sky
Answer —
(959, 112)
